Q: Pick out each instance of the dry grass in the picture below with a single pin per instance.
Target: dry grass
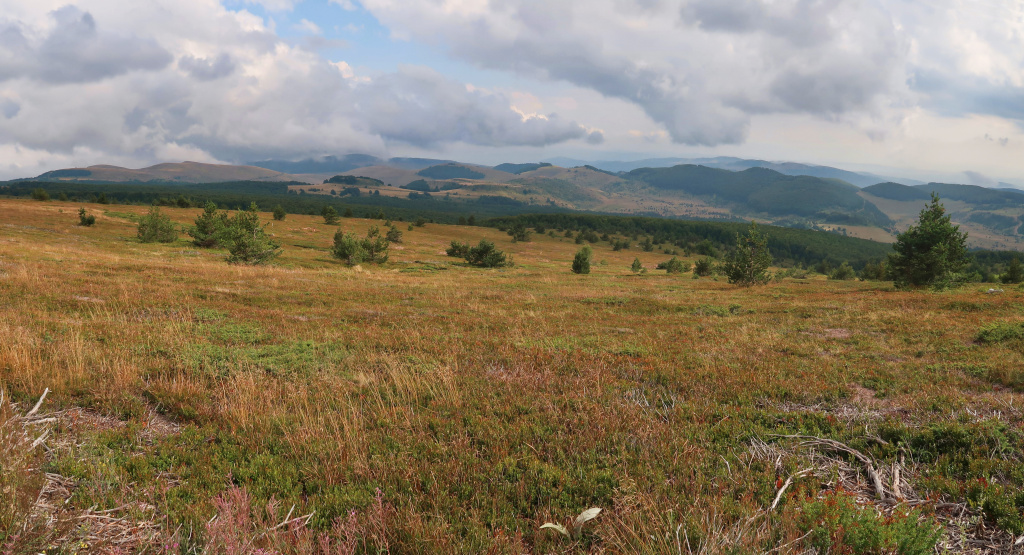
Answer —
(480, 403)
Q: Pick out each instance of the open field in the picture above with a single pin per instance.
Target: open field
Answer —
(428, 407)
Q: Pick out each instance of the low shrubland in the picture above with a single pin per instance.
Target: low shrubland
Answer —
(416, 405)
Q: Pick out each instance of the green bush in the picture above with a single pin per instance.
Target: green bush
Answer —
(674, 266)
(457, 249)
(249, 242)
(843, 272)
(518, 232)
(703, 267)
(352, 250)
(485, 255)
(838, 525)
(748, 264)
(933, 252)
(330, 215)
(279, 213)
(1014, 272)
(211, 229)
(1001, 331)
(393, 235)
(581, 263)
(85, 219)
(637, 267)
(40, 194)
(155, 227)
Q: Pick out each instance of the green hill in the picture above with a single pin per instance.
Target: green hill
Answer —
(760, 190)
(521, 168)
(974, 194)
(896, 191)
(450, 171)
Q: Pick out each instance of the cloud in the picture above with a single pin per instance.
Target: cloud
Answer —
(700, 68)
(75, 51)
(309, 27)
(978, 178)
(237, 92)
(421, 107)
(348, 5)
(207, 69)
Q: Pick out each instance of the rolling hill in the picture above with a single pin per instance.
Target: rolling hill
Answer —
(765, 191)
(187, 172)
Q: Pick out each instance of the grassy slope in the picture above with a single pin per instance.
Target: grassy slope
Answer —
(482, 403)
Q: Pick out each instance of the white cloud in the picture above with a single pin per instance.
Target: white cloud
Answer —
(212, 84)
(348, 5)
(309, 27)
(704, 69)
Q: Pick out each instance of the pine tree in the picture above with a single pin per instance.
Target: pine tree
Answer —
(155, 227)
(85, 219)
(748, 264)
(1014, 272)
(931, 253)
(330, 215)
(279, 213)
(211, 228)
(581, 263)
(637, 266)
(249, 243)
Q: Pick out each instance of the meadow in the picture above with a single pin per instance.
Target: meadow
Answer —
(425, 406)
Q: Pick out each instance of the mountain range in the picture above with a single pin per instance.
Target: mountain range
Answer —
(782, 193)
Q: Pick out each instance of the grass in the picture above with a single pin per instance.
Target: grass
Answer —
(400, 408)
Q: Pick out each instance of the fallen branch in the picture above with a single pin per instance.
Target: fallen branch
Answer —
(778, 496)
(869, 465)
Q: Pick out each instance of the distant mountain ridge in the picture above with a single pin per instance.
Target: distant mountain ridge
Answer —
(860, 179)
(187, 172)
(766, 191)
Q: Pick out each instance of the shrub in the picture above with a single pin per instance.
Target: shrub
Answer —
(249, 242)
(637, 267)
(485, 255)
(393, 235)
(674, 266)
(647, 244)
(457, 249)
(581, 263)
(1000, 331)
(703, 267)
(330, 215)
(348, 212)
(279, 213)
(873, 271)
(843, 272)
(155, 227)
(352, 250)
(748, 264)
(211, 229)
(40, 194)
(838, 525)
(1014, 272)
(930, 253)
(85, 219)
(420, 222)
(518, 232)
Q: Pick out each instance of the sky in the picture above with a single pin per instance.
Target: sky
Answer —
(927, 90)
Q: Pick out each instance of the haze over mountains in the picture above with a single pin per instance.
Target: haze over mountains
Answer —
(783, 193)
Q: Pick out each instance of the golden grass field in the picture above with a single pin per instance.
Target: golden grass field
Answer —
(424, 406)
